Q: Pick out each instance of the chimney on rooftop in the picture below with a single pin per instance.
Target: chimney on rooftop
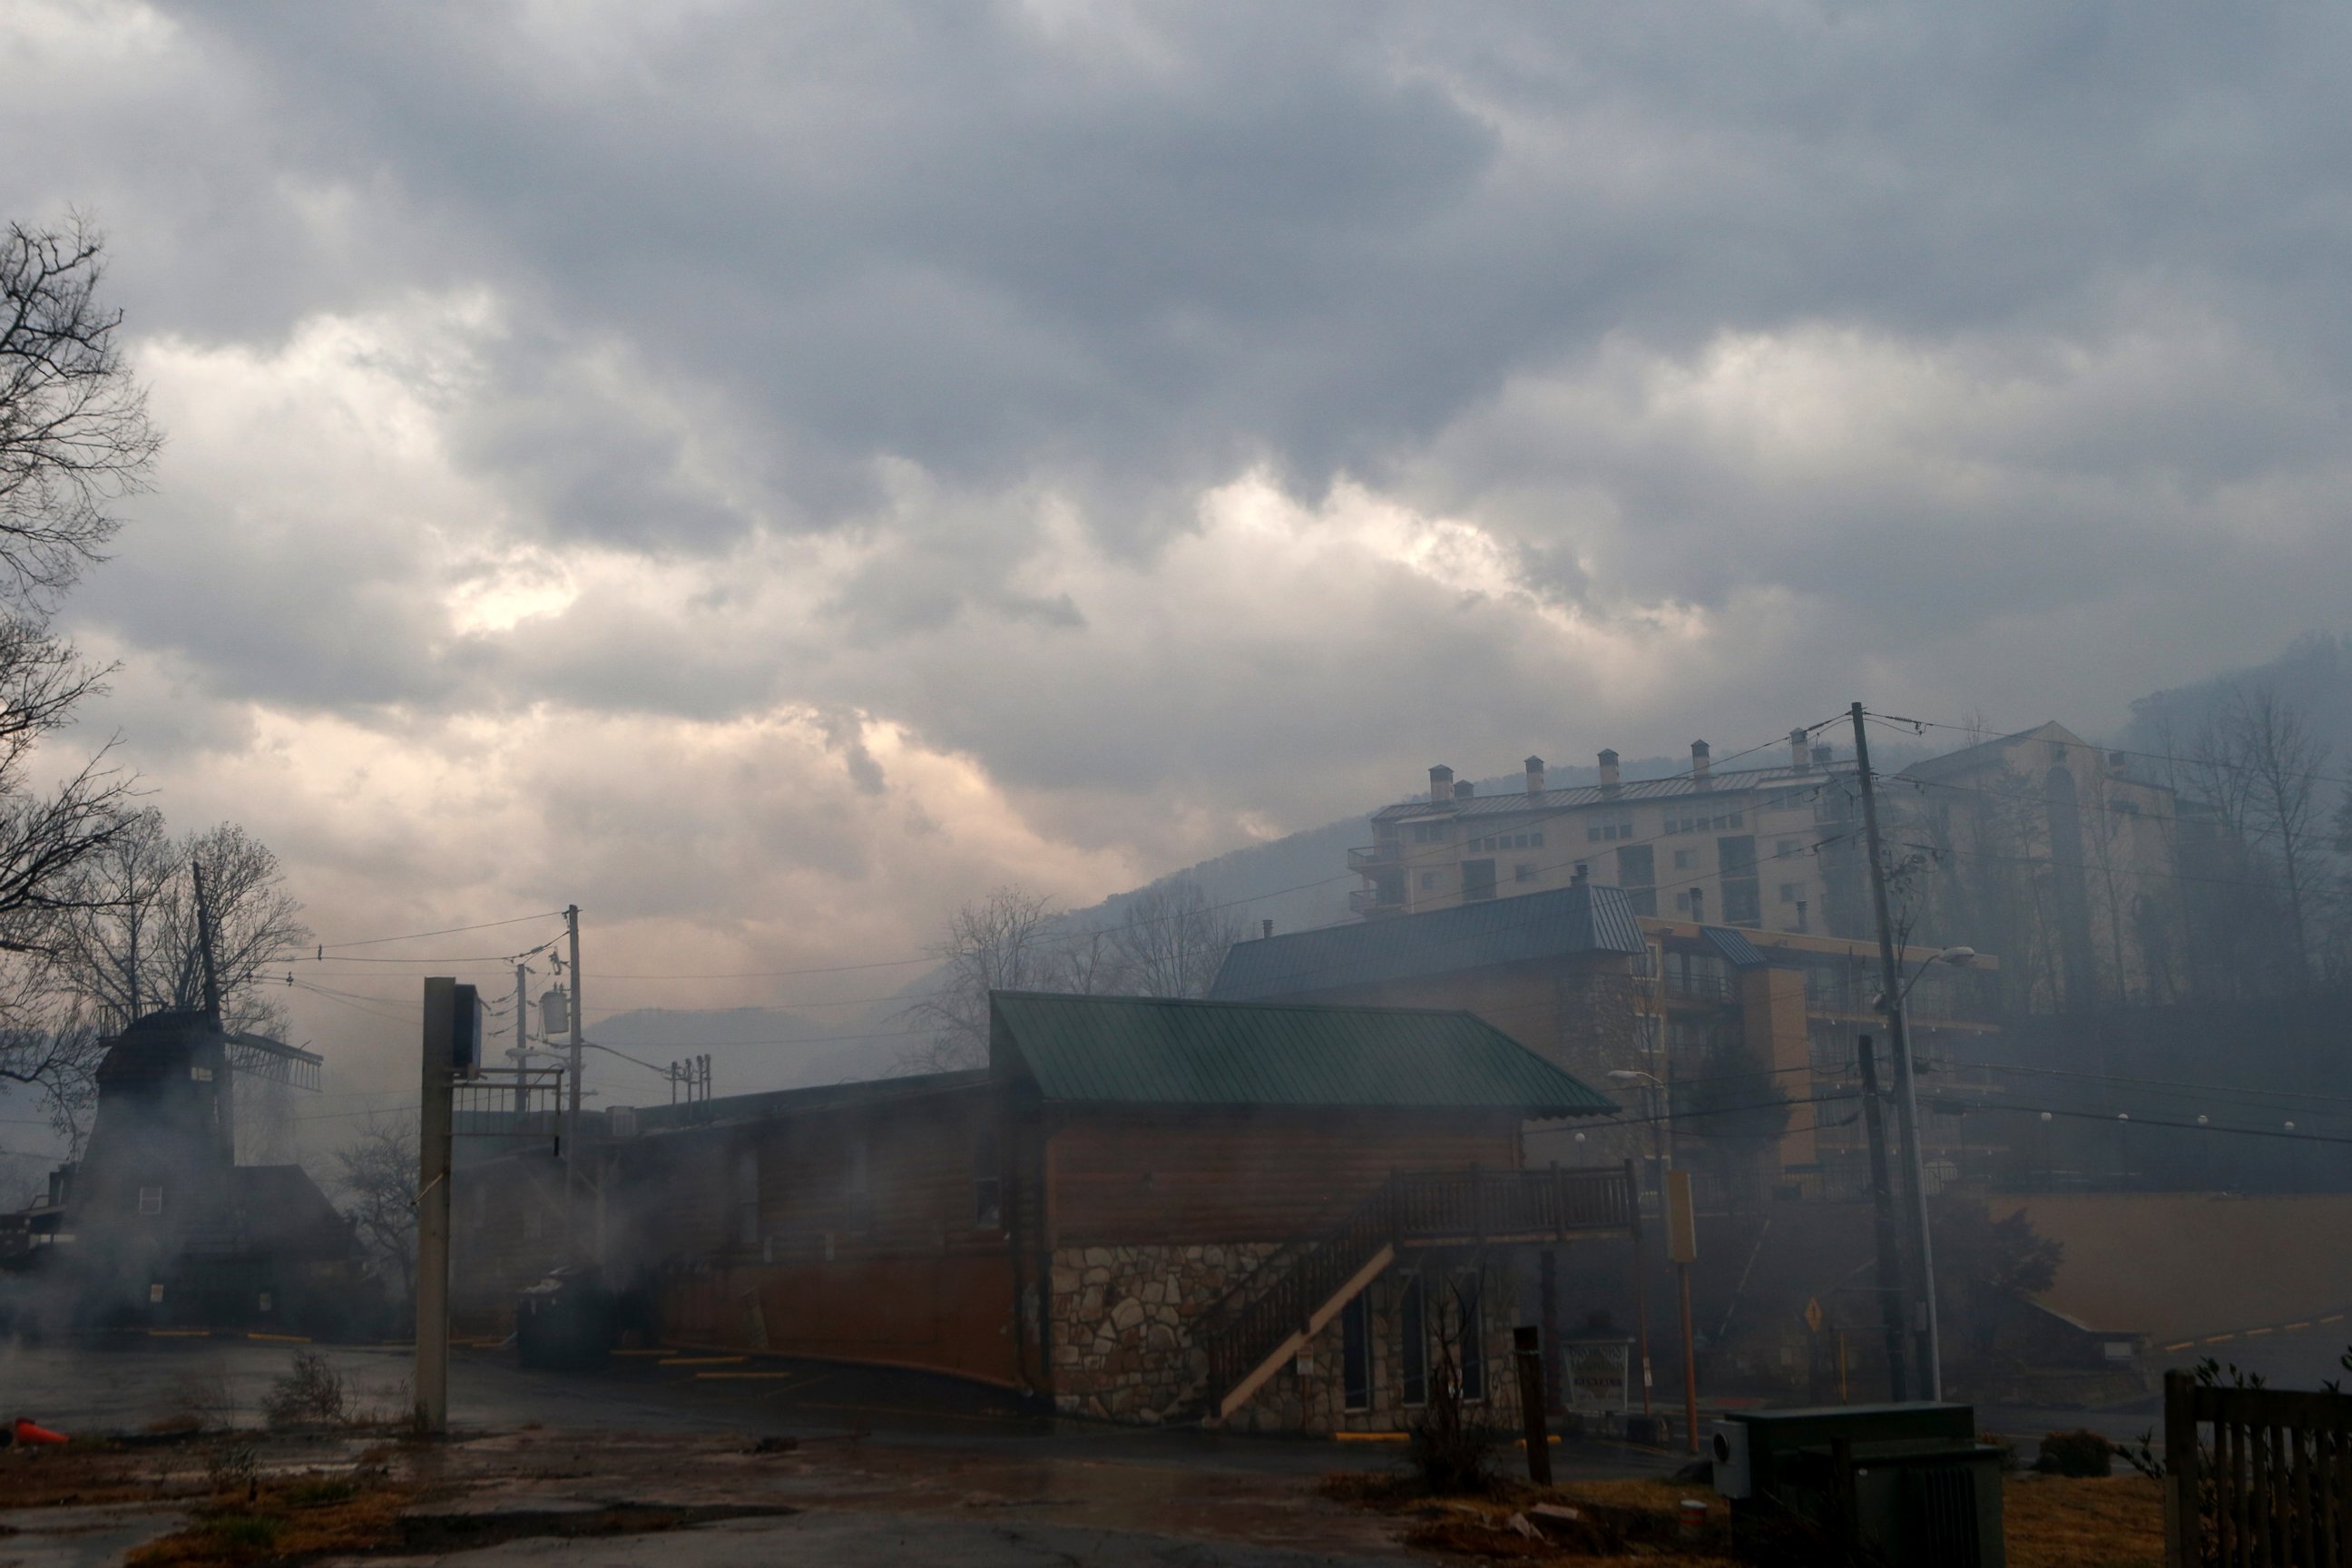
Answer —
(1609, 771)
(1824, 754)
(1464, 790)
(1798, 757)
(1699, 763)
(1440, 785)
(1535, 776)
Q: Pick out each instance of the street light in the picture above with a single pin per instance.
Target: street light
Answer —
(1907, 1112)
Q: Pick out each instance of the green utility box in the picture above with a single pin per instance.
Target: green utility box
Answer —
(1907, 1483)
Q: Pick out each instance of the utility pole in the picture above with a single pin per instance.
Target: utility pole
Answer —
(521, 1047)
(433, 1130)
(1907, 1096)
(1682, 1246)
(572, 923)
(1889, 1276)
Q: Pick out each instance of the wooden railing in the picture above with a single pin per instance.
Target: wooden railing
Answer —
(2272, 1485)
(1418, 1208)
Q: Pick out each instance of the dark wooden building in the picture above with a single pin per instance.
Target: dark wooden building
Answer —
(1284, 1215)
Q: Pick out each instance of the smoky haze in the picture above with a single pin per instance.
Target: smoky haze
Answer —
(771, 479)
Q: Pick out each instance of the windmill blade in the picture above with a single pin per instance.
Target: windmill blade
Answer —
(274, 1061)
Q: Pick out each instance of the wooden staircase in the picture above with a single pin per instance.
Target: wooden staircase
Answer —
(1268, 1318)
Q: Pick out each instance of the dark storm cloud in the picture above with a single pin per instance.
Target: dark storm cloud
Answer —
(1919, 319)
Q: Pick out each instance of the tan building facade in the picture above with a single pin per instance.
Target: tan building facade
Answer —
(1768, 848)
(2036, 845)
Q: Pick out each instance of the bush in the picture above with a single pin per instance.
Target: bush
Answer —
(2076, 1453)
(252, 1531)
(2009, 1462)
(310, 1393)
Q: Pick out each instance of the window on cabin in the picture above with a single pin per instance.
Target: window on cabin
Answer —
(1535, 840)
(200, 1072)
(151, 1200)
(1356, 1354)
(1477, 878)
(1470, 1348)
(987, 1183)
(1524, 871)
(1412, 1331)
(1428, 881)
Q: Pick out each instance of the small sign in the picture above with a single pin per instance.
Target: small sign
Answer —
(1681, 1231)
(1813, 1314)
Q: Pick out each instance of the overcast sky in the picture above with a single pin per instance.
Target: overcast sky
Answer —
(770, 473)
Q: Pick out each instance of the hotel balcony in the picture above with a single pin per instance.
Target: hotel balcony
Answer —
(1368, 859)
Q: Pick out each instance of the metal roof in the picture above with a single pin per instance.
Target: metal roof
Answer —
(1142, 1050)
(1731, 782)
(1518, 929)
(1735, 946)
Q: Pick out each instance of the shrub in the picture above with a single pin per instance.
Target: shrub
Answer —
(2076, 1453)
(255, 1531)
(312, 1392)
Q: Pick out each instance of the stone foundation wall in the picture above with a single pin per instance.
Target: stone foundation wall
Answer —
(1122, 1324)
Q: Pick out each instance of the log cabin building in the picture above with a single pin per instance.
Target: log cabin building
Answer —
(1282, 1216)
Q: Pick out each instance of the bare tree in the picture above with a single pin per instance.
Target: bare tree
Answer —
(1173, 939)
(1014, 939)
(56, 1054)
(74, 434)
(377, 1171)
(2253, 767)
(74, 438)
(133, 943)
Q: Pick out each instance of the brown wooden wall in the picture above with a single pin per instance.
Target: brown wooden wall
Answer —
(872, 1181)
(1221, 1176)
(938, 1313)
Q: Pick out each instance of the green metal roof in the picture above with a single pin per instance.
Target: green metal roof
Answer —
(1141, 1050)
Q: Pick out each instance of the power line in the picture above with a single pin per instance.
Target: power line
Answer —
(448, 931)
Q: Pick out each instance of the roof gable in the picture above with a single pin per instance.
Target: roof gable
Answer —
(1139, 1050)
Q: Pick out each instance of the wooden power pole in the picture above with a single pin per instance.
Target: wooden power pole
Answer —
(1889, 1275)
(1907, 1094)
(435, 1130)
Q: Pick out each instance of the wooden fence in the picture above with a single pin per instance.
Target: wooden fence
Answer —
(2256, 1477)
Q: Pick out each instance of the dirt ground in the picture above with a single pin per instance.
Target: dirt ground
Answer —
(233, 1499)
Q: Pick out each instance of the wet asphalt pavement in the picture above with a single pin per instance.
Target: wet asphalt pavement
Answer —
(126, 1382)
